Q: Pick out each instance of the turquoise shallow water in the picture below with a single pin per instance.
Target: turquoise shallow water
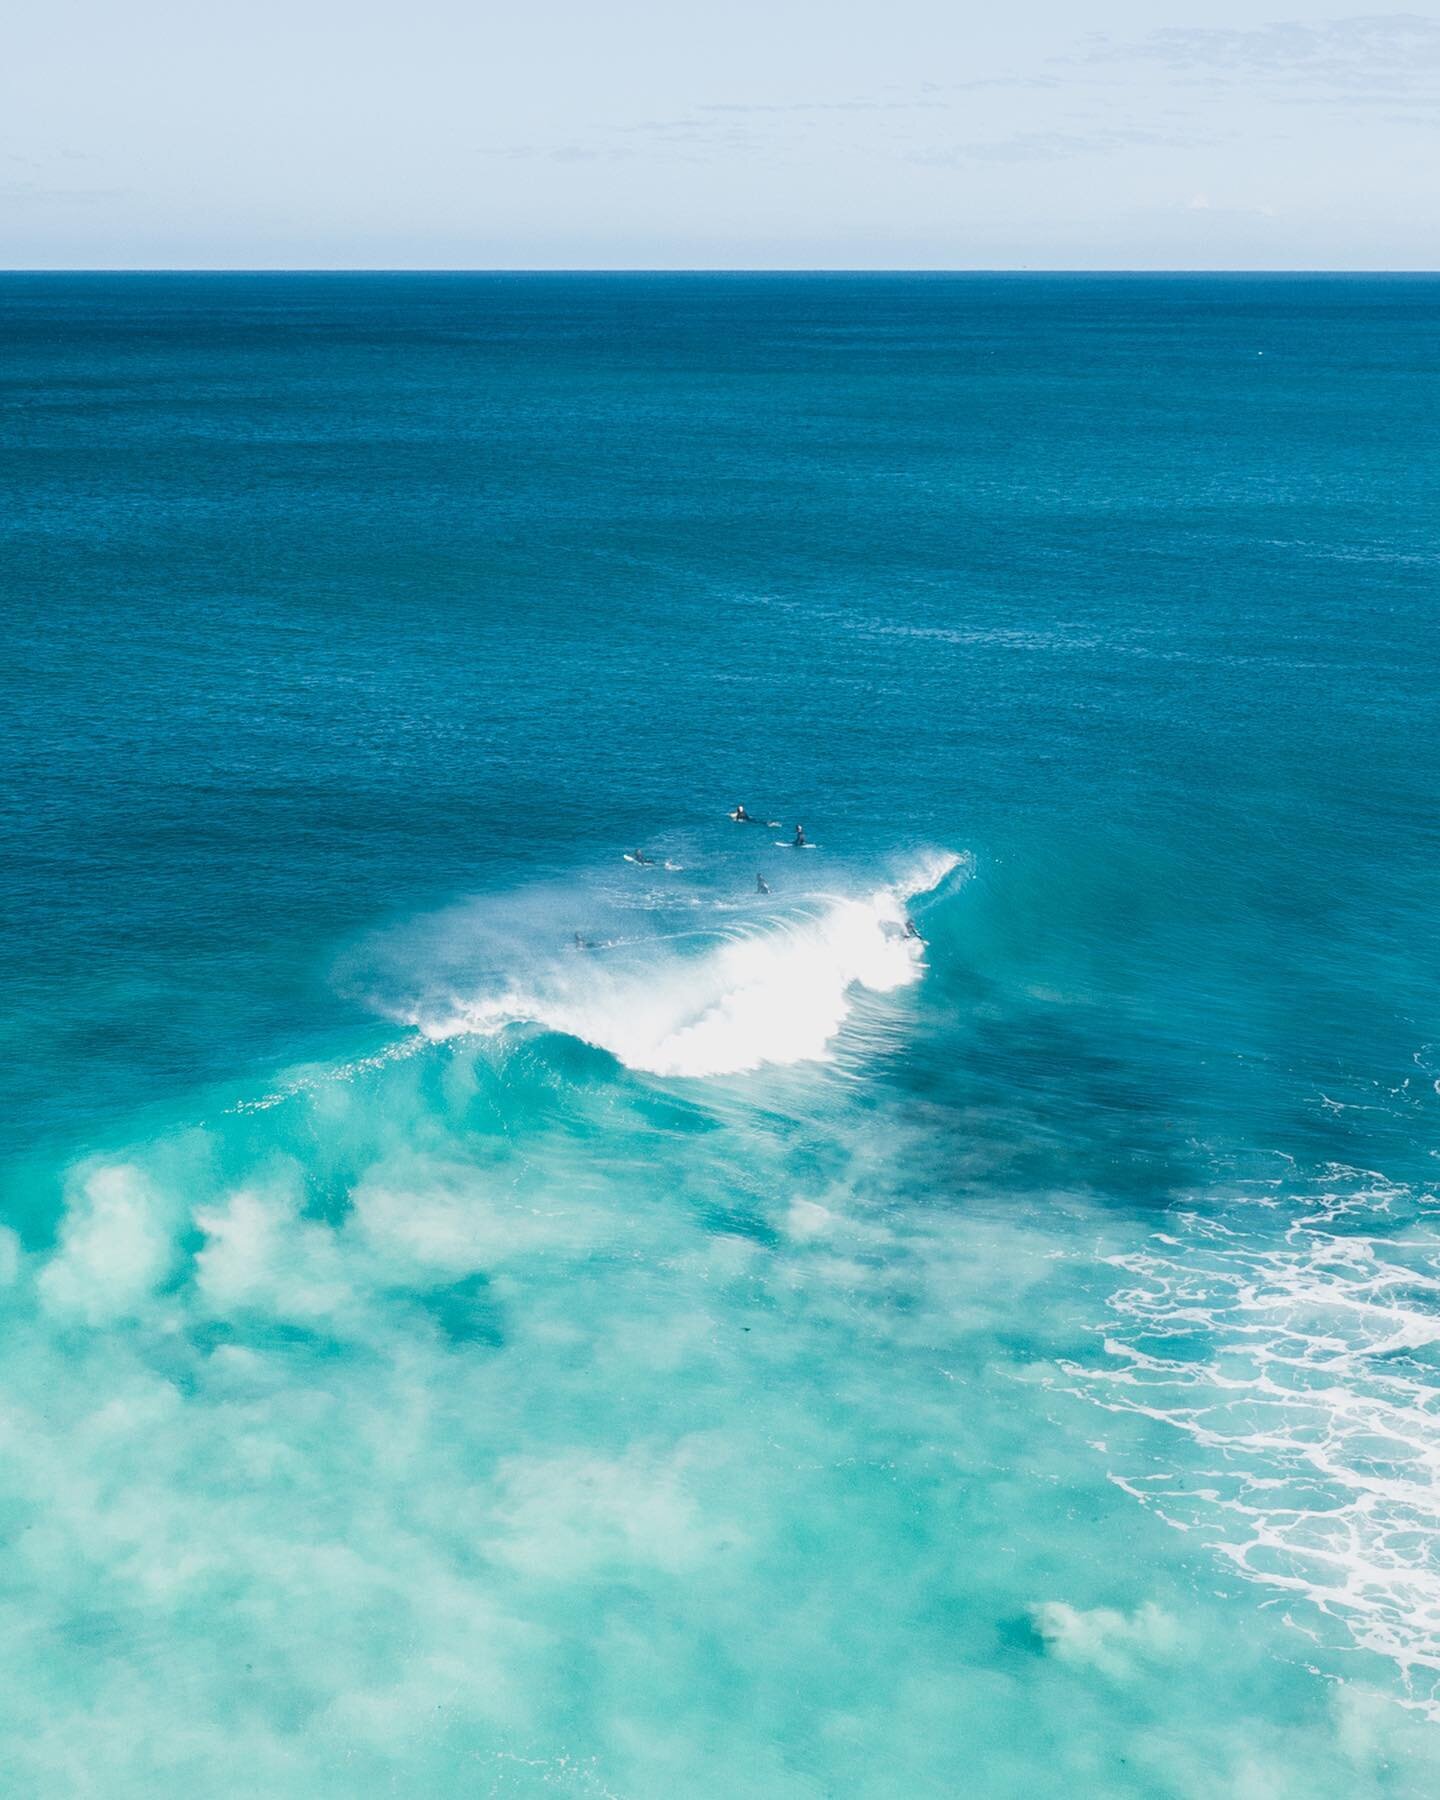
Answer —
(749, 1352)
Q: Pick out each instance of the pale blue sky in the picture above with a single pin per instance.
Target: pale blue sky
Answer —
(782, 134)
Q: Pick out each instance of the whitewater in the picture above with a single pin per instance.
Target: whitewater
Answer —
(774, 988)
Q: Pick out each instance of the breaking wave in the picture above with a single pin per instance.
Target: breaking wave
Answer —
(766, 987)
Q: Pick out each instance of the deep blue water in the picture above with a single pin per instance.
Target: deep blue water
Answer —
(752, 1354)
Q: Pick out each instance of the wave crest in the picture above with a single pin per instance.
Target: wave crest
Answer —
(769, 991)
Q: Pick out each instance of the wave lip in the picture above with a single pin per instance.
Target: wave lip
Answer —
(777, 993)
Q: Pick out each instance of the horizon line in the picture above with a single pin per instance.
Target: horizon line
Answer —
(702, 269)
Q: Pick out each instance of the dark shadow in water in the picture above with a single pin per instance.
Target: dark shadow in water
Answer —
(466, 1312)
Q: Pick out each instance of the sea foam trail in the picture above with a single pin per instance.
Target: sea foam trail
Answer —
(774, 990)
(1304, 1373)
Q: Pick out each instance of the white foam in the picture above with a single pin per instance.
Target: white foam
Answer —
(776, 991)
(1303, 1374)
(115, 1245)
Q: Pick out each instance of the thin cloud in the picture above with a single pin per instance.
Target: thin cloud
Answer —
(24, 191)
(1377, 56)
(1056, 146)
(823, 106)
(557, 153)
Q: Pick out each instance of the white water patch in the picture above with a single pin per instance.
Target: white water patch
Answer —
(486, 1468)
(774, 990)
(1303, 1366)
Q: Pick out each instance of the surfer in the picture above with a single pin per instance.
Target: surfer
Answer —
(799, 842)
(740, 816)
(762, 886)
(639, 856)
(912, 930)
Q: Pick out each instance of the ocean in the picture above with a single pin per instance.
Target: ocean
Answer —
(481, 1315)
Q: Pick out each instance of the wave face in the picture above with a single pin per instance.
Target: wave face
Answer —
(773, 989)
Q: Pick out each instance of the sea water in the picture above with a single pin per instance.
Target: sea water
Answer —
(484, 1316)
